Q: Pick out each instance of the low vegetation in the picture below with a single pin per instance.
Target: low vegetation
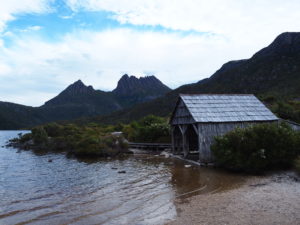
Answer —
(93, 139)
(81, 141)
(258, 148)
(148, 129)
(284, 107)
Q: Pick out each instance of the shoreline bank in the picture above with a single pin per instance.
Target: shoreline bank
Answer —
(272, 199)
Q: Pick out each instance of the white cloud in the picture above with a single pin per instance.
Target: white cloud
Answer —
(100, 58)
(66, 17)
(9, 8)
(35, 28)
(4, 69)
(28, 29)
(33, 66)
(237, 20)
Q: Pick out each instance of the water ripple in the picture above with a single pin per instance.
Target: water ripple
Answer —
(70, 191)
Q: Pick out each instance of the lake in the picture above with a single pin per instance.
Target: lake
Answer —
(72, 191)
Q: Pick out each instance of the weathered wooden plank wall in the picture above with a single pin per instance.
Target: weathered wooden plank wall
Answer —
(182, 115)
(207, 132)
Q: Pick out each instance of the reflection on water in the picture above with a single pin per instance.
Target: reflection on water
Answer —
(70, 191)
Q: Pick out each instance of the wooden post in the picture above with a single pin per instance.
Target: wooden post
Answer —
(187, 144)
(184, 145)
(196, 128)
(199, 142)
(183, 129)
(173, 141)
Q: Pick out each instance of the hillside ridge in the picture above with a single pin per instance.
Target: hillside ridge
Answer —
(79, 100)
(273, 70)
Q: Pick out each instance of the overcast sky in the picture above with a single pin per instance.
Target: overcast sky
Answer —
(47, 44)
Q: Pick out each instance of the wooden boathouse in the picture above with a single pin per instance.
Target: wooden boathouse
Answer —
(197, 119)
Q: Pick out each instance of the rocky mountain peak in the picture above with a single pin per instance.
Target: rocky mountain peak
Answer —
(128, 85)
(78, 83)
(78, 87)
(73, 91)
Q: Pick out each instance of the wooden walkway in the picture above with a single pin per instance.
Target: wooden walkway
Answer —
(150, 146)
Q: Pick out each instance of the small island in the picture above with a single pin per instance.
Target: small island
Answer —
(74, 140)
(93, 140)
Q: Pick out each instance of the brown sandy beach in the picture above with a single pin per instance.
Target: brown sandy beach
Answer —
(273, 199)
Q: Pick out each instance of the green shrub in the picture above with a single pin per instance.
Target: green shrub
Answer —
(53, 129)
(148, 129)
(153, 132)
(151, 119)
(289, 110)
(286, 107)
(62, 143)
(25, 138)
(257, 148)
(100, 145)
(39, 135)
(129, 132)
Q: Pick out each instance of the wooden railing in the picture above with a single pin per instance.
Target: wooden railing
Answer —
(150, 146)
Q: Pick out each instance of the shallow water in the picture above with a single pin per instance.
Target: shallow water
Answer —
(71, 191)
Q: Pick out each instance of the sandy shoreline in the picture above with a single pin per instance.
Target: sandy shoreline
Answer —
(274, 199)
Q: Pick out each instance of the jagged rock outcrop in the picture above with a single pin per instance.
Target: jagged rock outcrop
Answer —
(129, 85)
(131, 90)
(78, 87)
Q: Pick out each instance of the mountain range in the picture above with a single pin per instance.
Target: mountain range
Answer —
(79, 100)
(274, 71)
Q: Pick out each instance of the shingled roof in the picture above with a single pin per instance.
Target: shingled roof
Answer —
(226, 108)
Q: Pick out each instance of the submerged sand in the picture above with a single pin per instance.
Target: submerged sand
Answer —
(274, 199)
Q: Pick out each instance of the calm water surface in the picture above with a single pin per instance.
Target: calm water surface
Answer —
(71, 191)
